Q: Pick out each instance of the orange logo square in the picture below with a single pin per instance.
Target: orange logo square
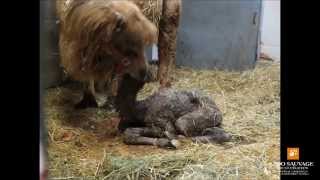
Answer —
(292, 153)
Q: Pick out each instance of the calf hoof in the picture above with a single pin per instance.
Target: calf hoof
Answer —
(175, 143)
(166, 143)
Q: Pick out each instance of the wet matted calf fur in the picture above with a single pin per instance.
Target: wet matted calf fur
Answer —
(162, 117)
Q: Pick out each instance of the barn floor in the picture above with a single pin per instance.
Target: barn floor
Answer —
(83, 144)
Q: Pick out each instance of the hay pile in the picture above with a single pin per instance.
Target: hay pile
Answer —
(84, 145)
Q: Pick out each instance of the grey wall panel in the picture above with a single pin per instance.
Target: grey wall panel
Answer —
(219, 34)
(50, 71)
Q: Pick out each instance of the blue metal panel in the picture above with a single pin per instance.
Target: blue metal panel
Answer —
(219, 34)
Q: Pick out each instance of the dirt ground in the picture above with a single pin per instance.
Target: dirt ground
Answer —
(84, 144)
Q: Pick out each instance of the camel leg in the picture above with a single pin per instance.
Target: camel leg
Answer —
(167, 43)
(88, 99)
(99, 94)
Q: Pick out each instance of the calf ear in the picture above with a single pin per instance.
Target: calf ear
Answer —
(120, 22)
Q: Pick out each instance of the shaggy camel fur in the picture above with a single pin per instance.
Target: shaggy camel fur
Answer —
(101, 40)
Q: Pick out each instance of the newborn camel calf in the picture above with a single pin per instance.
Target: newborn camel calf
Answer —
(160, 118)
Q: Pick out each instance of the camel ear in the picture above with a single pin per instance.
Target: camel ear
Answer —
(120, 22)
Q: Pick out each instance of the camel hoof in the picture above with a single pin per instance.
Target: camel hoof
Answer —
(87, 101)
(86, 104)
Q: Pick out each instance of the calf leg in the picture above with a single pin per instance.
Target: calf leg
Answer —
(166, 127)
(133, 136)
(193, 123)
(213, 134)
(136, 136)
(170, 131)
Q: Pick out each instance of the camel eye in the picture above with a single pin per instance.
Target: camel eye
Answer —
(99, 59)
(126, 62)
